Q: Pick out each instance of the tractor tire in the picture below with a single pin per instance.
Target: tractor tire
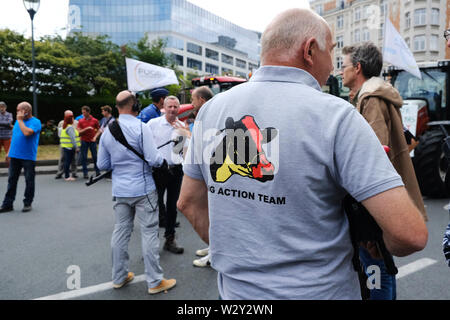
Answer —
(431, 165)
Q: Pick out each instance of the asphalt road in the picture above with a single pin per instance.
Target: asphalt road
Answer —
(70, 227)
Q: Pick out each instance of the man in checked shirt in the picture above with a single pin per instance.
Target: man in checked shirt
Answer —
(6, 126)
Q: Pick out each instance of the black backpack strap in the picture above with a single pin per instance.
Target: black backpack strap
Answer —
(117, 133)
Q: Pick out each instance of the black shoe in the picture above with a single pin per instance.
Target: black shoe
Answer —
(86, 177)
(58, 176)
(27, 208)
(6, 209)
(171, 246)
(75, 176)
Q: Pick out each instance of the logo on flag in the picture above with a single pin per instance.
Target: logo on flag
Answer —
(145, 76)
(397, 52)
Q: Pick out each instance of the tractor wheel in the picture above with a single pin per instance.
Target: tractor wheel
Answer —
(431, 165)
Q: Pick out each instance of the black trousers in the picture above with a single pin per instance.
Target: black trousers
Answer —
(169, 181)
(15, 167)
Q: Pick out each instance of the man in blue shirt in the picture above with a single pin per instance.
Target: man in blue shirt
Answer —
(154, 110)
(135, 193)
(22, 154)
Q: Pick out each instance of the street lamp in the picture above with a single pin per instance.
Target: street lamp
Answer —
(32, 7)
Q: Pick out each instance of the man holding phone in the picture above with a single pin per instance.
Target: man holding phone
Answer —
(22, 154)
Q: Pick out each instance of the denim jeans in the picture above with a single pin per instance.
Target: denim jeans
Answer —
(69, 154)
(388, 290)
(84, 151)
(15, 167)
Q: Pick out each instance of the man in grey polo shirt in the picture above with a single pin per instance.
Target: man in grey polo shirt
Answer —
(266, 191)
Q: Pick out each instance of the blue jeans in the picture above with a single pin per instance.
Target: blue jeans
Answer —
(15, 167)
(84, 151)
(388, 290)
(68, 157)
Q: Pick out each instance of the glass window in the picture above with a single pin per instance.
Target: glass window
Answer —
(383, 7)
(357, 35)
(338, 63)
(227, 71)
(420, 16)
(435, 16)
(194, 48)
(419, 43)
(366, 34)
(357, 13)
(407, 20)
(319, 9)
(179, 61)
(381, 31)
(340, 42)
(241, 63)
(194, 64)
(434, 42)
(340, 21)
(227, 59)
(252, 66)
(211, 54)
(211, 68)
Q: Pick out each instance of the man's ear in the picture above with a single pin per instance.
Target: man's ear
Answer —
(358, 68)
(310, 47)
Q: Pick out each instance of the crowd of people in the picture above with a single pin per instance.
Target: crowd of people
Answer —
(264, 216)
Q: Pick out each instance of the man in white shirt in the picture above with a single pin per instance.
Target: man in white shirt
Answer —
(163, 129)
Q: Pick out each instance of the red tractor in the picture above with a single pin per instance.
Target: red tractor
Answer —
(216, 83)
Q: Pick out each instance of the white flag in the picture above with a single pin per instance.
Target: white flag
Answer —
(397, 52)
(145, 76)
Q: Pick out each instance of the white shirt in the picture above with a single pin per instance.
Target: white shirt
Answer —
(163, 132)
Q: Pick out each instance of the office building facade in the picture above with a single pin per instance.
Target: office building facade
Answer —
(197, 40)
(421, 23)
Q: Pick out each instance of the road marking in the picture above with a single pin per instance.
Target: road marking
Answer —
(88, 290)
(414, 267)
(402, 272)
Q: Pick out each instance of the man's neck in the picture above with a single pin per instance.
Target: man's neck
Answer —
(171, 120)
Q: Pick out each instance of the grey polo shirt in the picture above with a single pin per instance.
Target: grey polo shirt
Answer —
(277, 228)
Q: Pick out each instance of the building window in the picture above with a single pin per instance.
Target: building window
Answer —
(227, 59)
(407, 20)
(178, 59)
(357, 35)
(241, 63)
(211, 54)
(194, 64)
(420, 16)
(435, 16)
(252, 66)
(227, 71)
(319, 9)
(194, 48)
(434, 42)
(381, 31)
(338, 63)
(340, 42)
(357, 13)
(210, 68)
(366, 12)
(340, 21)
(176, 43)
(419, 43)
(408, 42)
(383, 8)
(366, 34)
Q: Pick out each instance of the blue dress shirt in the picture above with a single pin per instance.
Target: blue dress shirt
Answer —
(131, 177)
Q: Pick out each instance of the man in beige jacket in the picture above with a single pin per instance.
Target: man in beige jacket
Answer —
(379, 103)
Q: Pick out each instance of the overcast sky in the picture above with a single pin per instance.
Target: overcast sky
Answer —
(51, 18)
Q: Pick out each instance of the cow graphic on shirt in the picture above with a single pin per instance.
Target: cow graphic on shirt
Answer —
(240, 151)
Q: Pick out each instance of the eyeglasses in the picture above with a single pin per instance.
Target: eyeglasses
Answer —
(345, 66)
(447, 34)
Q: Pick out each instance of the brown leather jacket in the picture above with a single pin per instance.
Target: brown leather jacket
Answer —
(379, 103)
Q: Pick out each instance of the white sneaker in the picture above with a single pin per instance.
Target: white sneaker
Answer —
(202, 252)
(202, 262)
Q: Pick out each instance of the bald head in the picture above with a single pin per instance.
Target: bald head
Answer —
(68, 113)
(125, 99)
(26, 108)
(285, 35)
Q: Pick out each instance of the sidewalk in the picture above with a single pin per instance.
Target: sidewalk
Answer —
(43, 167)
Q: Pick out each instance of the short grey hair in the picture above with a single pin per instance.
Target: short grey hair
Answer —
(171, 98)
(369, 56)
(3, 104)
(290, 29)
